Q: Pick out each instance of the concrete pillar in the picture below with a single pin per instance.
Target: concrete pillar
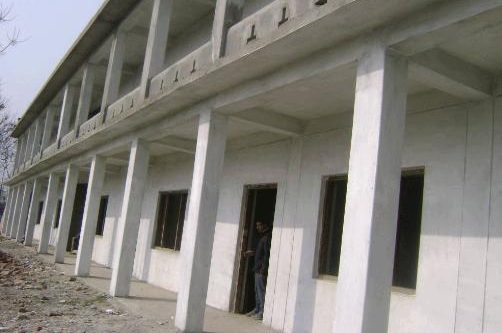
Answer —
(66, 111)
(11, 211)
(157, 42)
(48, 212)
(17, 209)
(226, 14)
(114, 71)
(6, 215)
(29, 144)
(85, 99)
(36, 137)
(129, 219)
(364, 284)
(23, 215)
(18, 152)
(33, 213)
(89, 220)
(198, 232)
(48, 125)
(70, 188)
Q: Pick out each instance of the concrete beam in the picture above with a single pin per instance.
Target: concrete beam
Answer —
(198, 234)
(129, 219)
(178, 144)
(48, 212)
(90, 218)
(370, 222)
(70, 188)
(442, 71)
(436, 24)
(270, 121)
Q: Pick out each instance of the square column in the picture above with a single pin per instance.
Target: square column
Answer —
(18, 151)
(127, 232)
(85, 99)
(49, 123)
(17, 210)
(11, 211)
(157, 43)
(369, 232)
(114, 71)
(90, 218)
(6, 215)
(37, 137)
(33, 213)
(70, 187)
(48, 212)
(23, 215)
(29, 144)
(66, 110)
(198, 232)
(227, 13)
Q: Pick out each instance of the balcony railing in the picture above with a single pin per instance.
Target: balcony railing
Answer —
(91, 125)
(182, 71)
(50, 150)
(67, 140)
(257, 26)
(123, 106)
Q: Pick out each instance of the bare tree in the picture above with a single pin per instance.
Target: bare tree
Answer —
(7, 143)
(12, 36)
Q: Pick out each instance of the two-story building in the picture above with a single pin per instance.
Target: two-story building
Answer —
(367, 133)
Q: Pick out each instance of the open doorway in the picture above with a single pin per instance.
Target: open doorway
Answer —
(259, 205)
(76, 217)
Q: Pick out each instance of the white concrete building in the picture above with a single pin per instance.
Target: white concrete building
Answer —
(172, 126)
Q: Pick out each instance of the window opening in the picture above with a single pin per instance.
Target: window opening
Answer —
(170, 219)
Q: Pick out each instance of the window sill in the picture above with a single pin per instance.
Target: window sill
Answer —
(165, 249)
(403, 291)
(394, 290)
(325, 277)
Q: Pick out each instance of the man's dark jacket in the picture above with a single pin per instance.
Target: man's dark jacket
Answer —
(263, 253)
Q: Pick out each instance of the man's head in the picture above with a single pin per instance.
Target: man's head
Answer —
(261, 227)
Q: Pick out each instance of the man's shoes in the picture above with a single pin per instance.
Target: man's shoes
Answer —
(258, 316)
(251, 313)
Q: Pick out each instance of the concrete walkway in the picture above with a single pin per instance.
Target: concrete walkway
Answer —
(158, 304)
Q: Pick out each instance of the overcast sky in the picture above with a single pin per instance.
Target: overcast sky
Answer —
(48, 28)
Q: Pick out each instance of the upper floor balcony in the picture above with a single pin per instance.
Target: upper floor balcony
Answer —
(138, 61)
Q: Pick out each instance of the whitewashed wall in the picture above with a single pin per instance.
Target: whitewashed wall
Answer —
(454, 145)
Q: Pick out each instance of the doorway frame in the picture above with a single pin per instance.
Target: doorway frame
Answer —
(236, 281)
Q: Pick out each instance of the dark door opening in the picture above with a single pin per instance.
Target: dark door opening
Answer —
(76, 217)
(259, 204)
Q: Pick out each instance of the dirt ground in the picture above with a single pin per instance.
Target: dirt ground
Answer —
(35, 297)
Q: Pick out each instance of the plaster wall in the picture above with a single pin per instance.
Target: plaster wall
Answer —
(189, 41)
(454, 146)
(252, 6)
(444, 142)
(105, 245)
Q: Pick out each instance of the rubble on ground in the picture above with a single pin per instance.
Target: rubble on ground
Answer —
(35, 297)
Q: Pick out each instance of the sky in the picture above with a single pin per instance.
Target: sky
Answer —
(47, 28)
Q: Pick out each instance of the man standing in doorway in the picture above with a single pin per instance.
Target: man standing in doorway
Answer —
(261, 257)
